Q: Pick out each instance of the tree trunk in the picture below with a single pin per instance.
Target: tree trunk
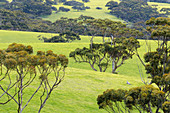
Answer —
(113, 66)
(103, 39)
(150, 110)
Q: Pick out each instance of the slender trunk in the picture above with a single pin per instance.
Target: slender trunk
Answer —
(1, 68)
(93, 68)
(113, 66)
(100, 69)
(150, 110)
(20, 94)
(157, 110)
(103, 39)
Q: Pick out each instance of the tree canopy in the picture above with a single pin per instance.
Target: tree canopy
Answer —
(63, 37)
(133, 10)
(100, 55)
(47, 67)
(146, 98)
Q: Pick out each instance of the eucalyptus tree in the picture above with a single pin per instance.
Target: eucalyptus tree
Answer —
(100, 55)
(147, 98)
(117, 50)
(20, 69)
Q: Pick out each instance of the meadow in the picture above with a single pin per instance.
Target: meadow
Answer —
(78, 92)
(102, 14)
(93, 12)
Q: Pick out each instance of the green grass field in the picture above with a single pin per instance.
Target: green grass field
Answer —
(78, 92)
(103, 13)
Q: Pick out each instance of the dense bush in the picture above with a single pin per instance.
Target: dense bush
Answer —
(79, 8)
(64, 9)
(17, 20)
(98, 8)
(133, 10)
(62, 0)
(86, 0)
(74, 3)
(160, 1)
(31, 7)
(63, 37)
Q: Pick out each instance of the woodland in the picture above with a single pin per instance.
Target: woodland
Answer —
(116, 64)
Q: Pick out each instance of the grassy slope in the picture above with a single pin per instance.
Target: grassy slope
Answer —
(160, 5)
(78, 92)
(104, 13)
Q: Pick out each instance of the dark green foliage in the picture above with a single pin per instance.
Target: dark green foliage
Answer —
(86, 0)
(17, 20)
(18, 59)
(3, 1)
(73, 3)
(98, 8)
(166, 10)
(160, 1)
(32, 7)
(133, 10)
(50, 2)
(64, 9)
(82, 17)
(62, 0)
(72, 25)
(63, 37)
(111, 5)
(79, 8)
(84, 25)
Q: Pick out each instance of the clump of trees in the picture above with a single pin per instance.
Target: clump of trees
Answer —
(86, 0)
(47, 68)
(63, 9)
(63, 37)
(77, 5)
(119, 47)
(160, 1)
(3, 2)
(34, 7)
(101, 55)
(17, 20)
(165, 10)
(73, 3)
(133, 10)
(83, 25)
(146, 98)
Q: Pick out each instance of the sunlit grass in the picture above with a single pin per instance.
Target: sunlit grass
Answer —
(159, 6)
(103, 13)
(78, 92)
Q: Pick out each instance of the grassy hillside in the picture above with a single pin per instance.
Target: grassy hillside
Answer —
(104, 13)
(65, 48)
(160, 5)
(78, 92)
